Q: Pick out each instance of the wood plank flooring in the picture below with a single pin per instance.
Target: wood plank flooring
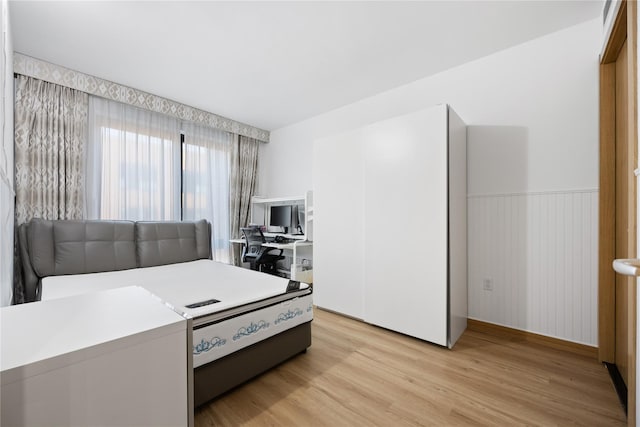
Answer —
(355, 374)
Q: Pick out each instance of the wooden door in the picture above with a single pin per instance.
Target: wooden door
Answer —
(625, 237)
(618, 160)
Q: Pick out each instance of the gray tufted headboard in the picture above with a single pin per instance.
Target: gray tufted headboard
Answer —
(52, 248)
(160, 243)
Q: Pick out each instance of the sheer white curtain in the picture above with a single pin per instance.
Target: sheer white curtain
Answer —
(133, 163)
(206, 166)
(134, 170)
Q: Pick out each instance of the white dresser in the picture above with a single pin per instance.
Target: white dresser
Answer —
(117, 357)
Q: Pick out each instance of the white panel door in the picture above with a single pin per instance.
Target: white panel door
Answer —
(406, 224)
(338, 247)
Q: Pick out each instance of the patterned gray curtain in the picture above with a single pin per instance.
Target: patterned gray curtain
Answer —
(50, 139)
(243, 183)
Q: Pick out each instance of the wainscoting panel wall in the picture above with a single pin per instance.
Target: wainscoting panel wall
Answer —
(533, 262)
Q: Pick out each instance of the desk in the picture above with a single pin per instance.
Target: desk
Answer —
(287, 246)
(296, 272)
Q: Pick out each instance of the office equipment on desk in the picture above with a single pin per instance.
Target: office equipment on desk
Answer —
(280, 216)
(282, 239)
(259, 257)
(301, 221)
(298, 248)
(275, 213)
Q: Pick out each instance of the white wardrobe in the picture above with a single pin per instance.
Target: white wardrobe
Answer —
(391, 224)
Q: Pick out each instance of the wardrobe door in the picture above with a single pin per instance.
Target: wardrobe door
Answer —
(457, 227)
(338, 245)
(405, 228)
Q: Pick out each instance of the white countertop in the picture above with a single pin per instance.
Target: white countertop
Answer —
(40, 331)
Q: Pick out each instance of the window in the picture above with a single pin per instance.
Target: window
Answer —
(205, 190)
(133, 163)
(139, 176)
(138, 169)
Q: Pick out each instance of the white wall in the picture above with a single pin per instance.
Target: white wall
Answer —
(532, 112)
(6, 159)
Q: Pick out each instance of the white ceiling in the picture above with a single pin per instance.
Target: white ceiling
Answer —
(270, 64)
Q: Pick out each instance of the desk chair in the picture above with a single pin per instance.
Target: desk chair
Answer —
(259, 257)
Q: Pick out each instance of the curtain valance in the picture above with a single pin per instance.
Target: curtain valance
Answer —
(52, 73)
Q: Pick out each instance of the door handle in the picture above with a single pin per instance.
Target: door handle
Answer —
(627, 267)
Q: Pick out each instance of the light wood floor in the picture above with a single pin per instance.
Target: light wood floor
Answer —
(357, 374)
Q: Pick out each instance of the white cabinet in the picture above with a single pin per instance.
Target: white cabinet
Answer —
(390, 244)
(117, 357)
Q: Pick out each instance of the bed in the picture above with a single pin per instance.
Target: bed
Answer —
(241, 322)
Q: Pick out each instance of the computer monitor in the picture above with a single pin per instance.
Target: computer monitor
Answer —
(281, 217)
